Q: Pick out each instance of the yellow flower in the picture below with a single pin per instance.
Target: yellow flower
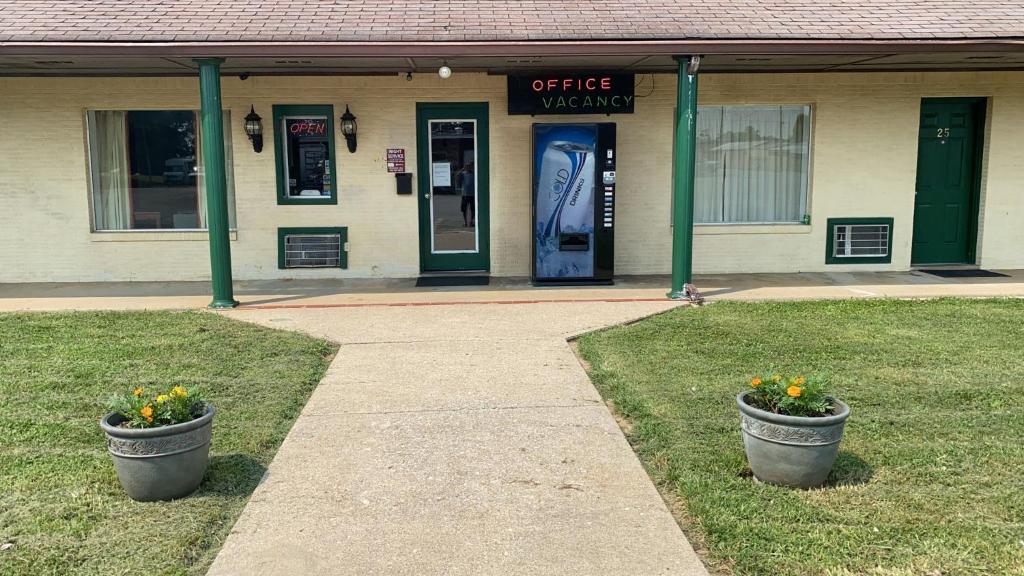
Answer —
(179, 391)
(777, 378)
(755, 382)
(162, 398)
(793, 391)
(147, 413)
(799, 381)
(138, 392)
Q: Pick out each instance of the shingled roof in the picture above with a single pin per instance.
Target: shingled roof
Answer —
(341, 21)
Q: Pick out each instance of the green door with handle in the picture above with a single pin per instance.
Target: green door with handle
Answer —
(945, 204)
(453, 186)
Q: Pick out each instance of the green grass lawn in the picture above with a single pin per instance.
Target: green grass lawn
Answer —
(60, 504)
(930, 477)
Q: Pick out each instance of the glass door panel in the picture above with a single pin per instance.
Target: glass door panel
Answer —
(453, 186)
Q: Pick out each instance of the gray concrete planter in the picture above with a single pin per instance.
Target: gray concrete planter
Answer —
(160, 463)
(794, 451)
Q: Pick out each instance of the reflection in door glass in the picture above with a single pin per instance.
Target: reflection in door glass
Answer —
(453, 186)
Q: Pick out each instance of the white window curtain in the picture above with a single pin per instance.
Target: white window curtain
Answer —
(752, 164)
(229, 173)
(110, 170)
(110, 173)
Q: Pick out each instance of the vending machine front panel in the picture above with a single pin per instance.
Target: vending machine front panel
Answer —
(572, 211)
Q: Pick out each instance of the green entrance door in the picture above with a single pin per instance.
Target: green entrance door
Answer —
(451, 154)
(945, 206)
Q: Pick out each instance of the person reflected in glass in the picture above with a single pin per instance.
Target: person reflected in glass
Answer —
(468, 182)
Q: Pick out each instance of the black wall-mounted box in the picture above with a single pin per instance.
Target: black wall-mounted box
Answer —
(403, 181)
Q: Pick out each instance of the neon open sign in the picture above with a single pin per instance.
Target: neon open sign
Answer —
(307, 127)
(597, 93)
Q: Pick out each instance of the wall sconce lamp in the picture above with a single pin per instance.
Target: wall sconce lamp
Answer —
(254, 129)
(348, 129)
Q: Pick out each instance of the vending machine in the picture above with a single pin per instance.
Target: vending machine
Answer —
(573, 203)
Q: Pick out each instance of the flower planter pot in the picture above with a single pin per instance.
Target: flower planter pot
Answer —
(796, 451)
(159, 463)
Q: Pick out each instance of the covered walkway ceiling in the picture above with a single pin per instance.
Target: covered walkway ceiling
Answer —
(52, 62)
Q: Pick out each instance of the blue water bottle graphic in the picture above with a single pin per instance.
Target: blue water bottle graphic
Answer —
(565, 205)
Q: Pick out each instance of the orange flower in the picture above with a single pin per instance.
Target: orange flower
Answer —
(755, 382)
(147, 413)
(793, 391)
(138, 392)
(799, 381)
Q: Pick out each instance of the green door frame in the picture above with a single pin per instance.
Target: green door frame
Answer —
(980, 106)
(478, 111)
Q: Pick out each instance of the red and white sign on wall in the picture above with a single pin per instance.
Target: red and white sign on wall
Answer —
(396, 159)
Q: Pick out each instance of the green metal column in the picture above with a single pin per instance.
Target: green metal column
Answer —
(212, 128)
(684, 162)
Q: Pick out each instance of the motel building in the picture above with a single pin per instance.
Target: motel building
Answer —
(567, 142)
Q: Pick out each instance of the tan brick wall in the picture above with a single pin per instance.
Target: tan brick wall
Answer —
(863, 162)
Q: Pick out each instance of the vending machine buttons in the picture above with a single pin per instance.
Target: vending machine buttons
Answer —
(609, 199)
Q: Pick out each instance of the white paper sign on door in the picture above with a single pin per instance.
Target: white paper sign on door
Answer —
(442, 174)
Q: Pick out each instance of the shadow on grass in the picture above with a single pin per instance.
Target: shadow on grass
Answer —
(849, 470)
(233, 475)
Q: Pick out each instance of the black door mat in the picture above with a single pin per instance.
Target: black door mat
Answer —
(958, 273)
(438, 281)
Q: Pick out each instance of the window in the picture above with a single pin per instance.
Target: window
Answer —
(312, 248)
(146, 170)
(304, 146)
(859, 241)
(751, 164)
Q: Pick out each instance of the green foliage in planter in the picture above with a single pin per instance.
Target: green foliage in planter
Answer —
(141, 408)
(796, 396)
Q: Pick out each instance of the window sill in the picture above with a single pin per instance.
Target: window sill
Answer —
(154, 236)
(307, 200)
(724, 229)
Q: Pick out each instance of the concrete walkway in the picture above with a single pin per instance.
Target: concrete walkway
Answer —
(402, 292)
(462, 439)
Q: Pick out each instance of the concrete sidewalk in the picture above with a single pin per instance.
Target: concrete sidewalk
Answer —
(402, 292)
(457, 440)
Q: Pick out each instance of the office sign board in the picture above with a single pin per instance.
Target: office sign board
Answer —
(575, 93)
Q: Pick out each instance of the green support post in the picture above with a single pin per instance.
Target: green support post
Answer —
(212, 127)
(684, 161)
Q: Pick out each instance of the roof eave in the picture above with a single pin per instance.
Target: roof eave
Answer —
(513, 48)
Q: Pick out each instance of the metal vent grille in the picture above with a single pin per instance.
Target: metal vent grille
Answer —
(312, 251)
(860, 241)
